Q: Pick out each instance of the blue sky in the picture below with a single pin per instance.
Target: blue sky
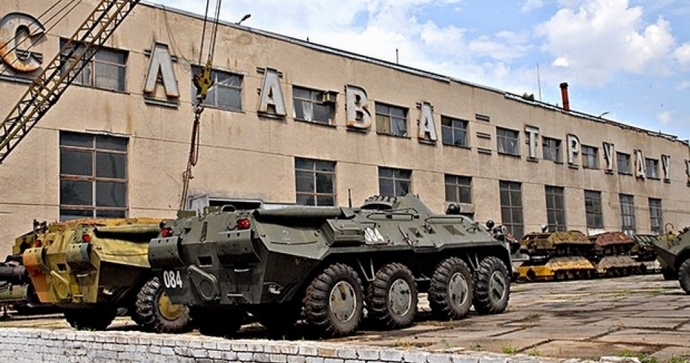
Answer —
(626, 59)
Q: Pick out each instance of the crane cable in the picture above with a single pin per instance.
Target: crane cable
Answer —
(202, 81)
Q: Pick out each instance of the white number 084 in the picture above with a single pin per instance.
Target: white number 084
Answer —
(172, 279)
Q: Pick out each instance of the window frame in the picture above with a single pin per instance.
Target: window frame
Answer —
(316, 99)
(384, 119)
(507, 140)
(512, 214)
(554, 195)
(546, 145)
(93, 178)
(651, 164)
(458, 184)
(397, 176)
(627, 205)
(590, 157)
(626, 158)
(593, 209)
(316, 172)
(656, 217)
(88, 76)
(448, 128)
(236, 92)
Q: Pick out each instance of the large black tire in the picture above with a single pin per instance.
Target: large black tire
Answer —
(684, 276)
(333, 302)
(223, 323)
(392, 297)
(491, 286)
(450, 291)
(90, 318)
(155, 312)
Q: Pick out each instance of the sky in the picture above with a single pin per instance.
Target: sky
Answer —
(626, 60)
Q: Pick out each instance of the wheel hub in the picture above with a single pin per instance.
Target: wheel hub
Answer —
(497, 286)
(399, 297)
(168, 310)
(458, 289)
(343, 301)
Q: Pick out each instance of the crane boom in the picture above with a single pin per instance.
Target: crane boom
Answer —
(47, 88)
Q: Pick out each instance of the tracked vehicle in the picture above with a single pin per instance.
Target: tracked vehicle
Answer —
(610, 254)
(325, 265)
(91, 268)
(674, 257)
(556, 256)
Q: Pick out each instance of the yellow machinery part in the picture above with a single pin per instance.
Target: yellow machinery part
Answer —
(558, 268)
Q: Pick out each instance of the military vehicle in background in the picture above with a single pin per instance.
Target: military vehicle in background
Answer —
(325, 264)
(675, 258)
(556, 256)
(610, 254)
(643, 252)
(90, 268)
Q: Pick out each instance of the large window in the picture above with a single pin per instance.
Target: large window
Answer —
(595, 217)
(507, 141)
(511, 207)
(652, 168)
(226, 91)
(93, 176)
(627, 213)
(623, 163)
(656, 221)
(552, 149)
(395, 182)
(589, 157)
(458, 189)
(454, 131)
(315, 182)
(555, 209)
(106, 70)
(391, 120)
(313, 106)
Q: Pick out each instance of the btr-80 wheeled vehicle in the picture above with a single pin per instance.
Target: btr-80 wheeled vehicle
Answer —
(91, 268)
(674, 257)
(326, 265)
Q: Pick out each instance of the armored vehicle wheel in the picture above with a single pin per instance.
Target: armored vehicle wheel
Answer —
(155, 312)
(450, 292)
(684, 276)
(90, 318)
(491, 286)
(668, 274)
(392, 297)
(333, 301)
(217, 323)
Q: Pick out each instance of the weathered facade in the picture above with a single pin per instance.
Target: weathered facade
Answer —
(289, 121)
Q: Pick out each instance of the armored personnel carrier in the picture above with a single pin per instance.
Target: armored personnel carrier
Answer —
(610, 254)
(556, 256)
(324, 265)
(90, 268)
(675, 258)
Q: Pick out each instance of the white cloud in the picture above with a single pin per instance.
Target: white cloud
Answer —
(682, 55)
(665, 118)
(561, 62)
(530, 5)
(601, 37)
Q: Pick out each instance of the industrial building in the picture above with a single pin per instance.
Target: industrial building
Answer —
(288, 121)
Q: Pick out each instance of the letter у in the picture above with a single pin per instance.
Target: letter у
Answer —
(11, 28)
(608, 155)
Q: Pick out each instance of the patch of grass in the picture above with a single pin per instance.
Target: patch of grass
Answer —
(534, 353)
(678, 359)
(642, 357)
(508, 349)
(403, 344)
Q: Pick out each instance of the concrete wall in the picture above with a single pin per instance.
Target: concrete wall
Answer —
(57, 346)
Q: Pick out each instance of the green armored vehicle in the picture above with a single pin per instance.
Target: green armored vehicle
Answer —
(91, 268)
(325, 265)
(674, 257)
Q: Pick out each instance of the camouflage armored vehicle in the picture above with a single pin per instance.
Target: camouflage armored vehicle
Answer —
(610, 254)
(326, 264)
(91, 268)
(675, 258)
(556, 256)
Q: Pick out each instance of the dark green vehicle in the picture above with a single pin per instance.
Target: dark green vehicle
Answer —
(327, 265)
(674, 256)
